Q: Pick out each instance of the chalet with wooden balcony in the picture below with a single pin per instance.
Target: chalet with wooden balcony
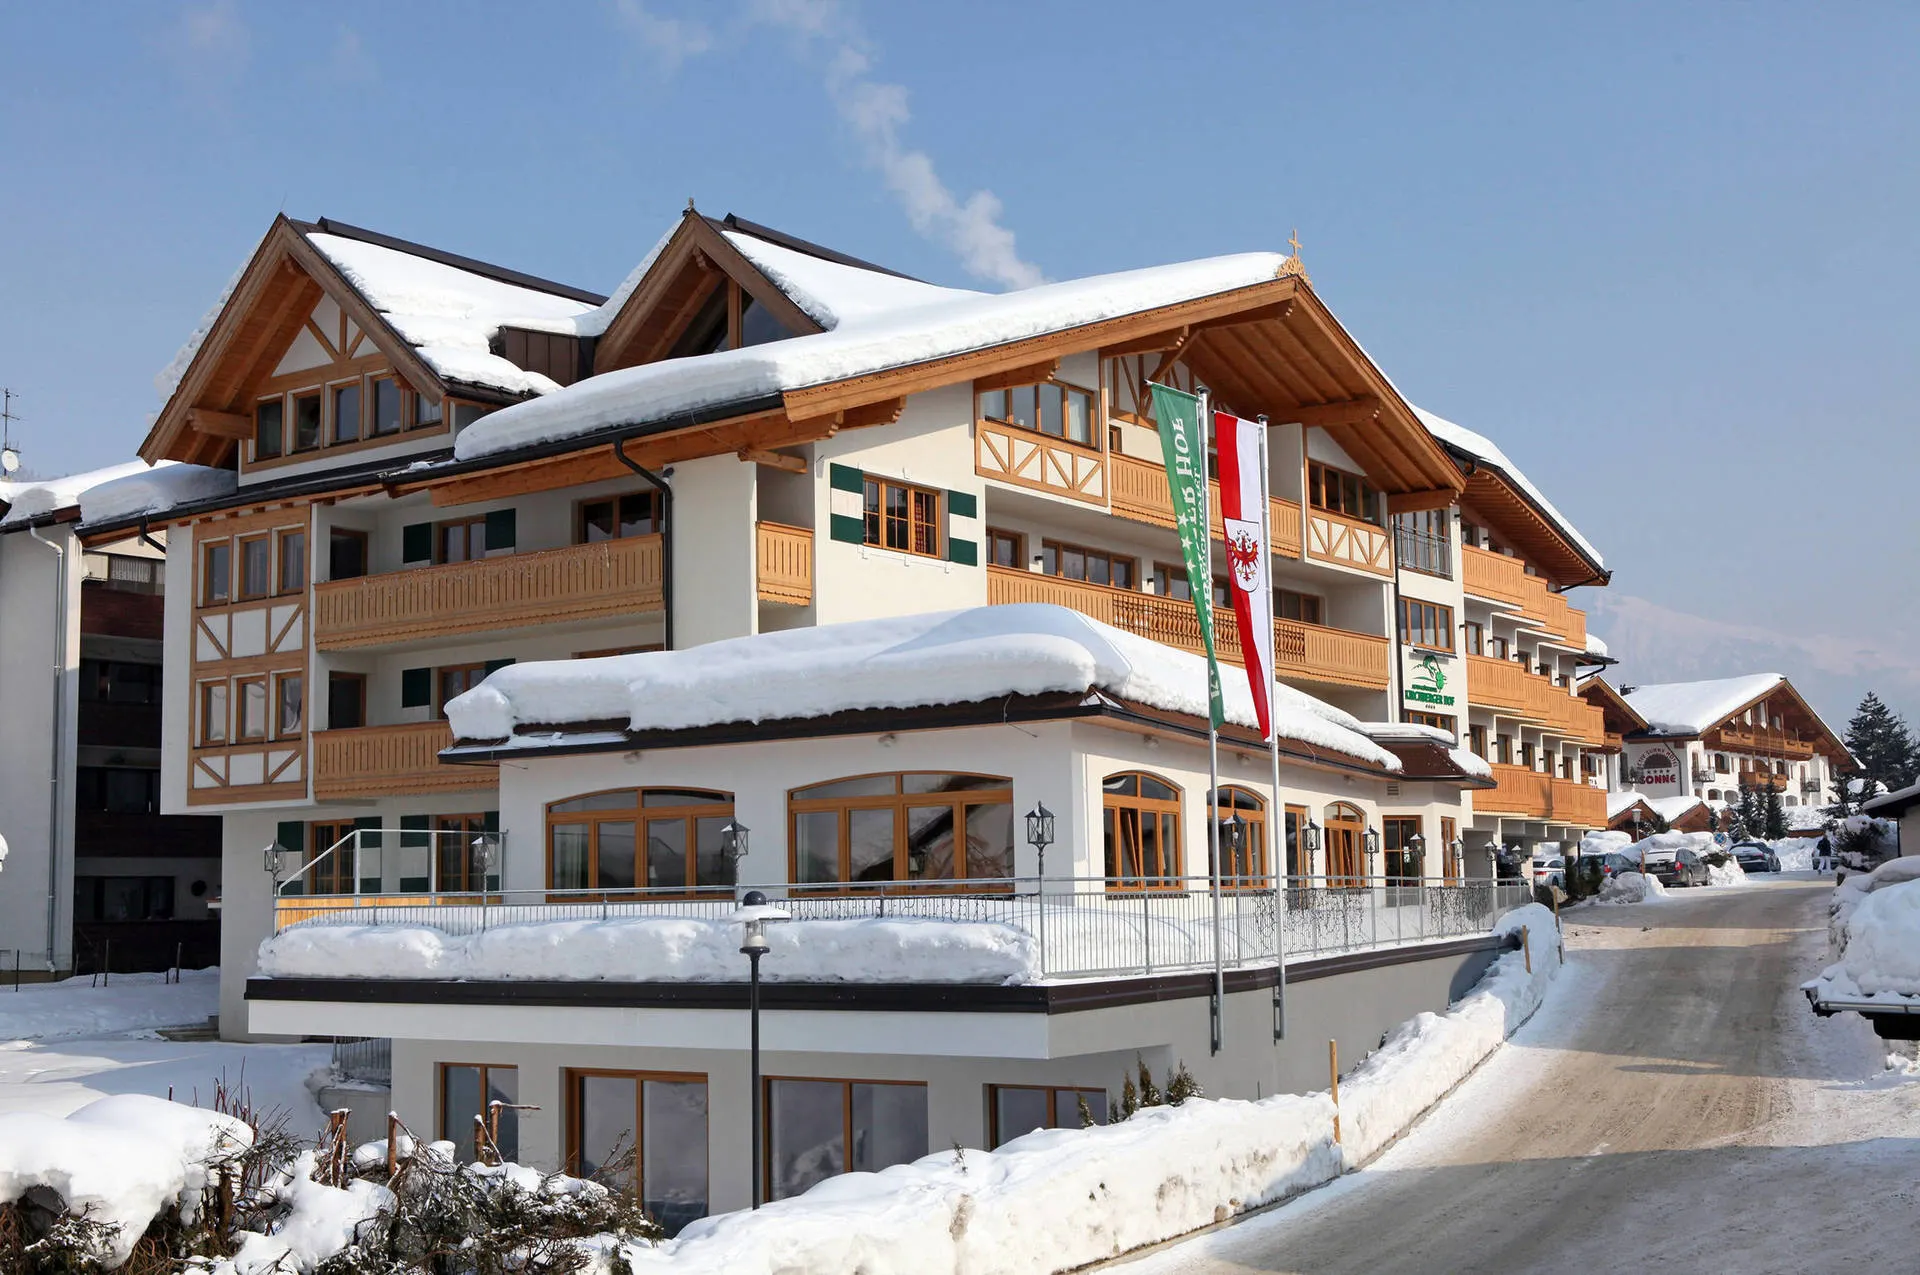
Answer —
(1710, 739)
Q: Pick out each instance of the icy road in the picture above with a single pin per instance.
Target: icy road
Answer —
(1675, 1107)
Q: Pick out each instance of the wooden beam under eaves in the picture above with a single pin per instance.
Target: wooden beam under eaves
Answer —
(1353, 411)
(206, 420)
(773, 460)
(1407, 502)
(1151, 344)
(1031, 374)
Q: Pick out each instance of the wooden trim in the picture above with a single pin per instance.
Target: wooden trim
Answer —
(219, 424)
(1040, 373)
(570, 1102)
(1172, 867)
(358, 762)
(898, 802)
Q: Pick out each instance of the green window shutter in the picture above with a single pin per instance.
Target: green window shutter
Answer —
(500, 530)
(416, 542)
(368, 824)
(494, 666)
(416, 687)
(369, 853)
(963, 504)
(847, 510)
(964, 552)
(291, 835)
(413, 831)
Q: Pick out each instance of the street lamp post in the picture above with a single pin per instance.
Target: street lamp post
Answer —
(1233, 832)
(753, 915)
(1040, 836)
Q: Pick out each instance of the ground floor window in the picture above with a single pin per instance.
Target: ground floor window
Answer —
(645, 1132)
(913, 826)
(476, 1106)
(819, 1128)
(1400, 837)
(652, 837)
(1017, 1109)
(1450, 867)
(1298, 856)
(1344, 836)
(1141, 823)
(1246, 867)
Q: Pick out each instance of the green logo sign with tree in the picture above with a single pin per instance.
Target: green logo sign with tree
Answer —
(1429, 681)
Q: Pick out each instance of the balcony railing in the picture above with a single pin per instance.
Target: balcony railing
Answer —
(1041, 462)
(1535, 795)
(1579, 803)
(1760, 739)
(1509, 687)
(1424, 552)
(1070, 927)
(1348, 542)
(1140, 492)
(1309, 652)
(381, 761)
(1764, 779)
(786, 563)
(581, 582)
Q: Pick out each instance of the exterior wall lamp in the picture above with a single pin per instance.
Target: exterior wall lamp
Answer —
(1040, 833)
(733, 846)
(754, 915)
(1233, 836)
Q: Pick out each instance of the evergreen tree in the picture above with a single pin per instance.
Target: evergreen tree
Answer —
(1753, 816)
(1775, 813)
(1879, 738)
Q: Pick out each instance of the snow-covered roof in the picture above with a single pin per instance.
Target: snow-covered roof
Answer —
(1896, 802)
(875, 341)
(1413, 732)
(596, 321)
(914, 661)
(1618, 801)
(152, 491)
(35, 499)
(448, 314)
(1671, 808)
(833, 293)
(1483, 448)
(1595, 646)
(1692, 708)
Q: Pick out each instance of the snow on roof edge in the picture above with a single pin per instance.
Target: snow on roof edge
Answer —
(1485, 449)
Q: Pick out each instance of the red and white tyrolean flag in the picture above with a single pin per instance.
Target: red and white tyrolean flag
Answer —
(1243, 514)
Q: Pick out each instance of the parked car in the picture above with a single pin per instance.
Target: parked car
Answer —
(1677, 867)
(1756, 856)
(1612, 865)
(1550, 871)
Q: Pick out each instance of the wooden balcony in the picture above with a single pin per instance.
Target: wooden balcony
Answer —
(785, 557)
(1508, 687)
(1348, 542)
(1517, 791)
(1498, 578)
(580, 582)
(1040, 462)
(1303, 652)
(1764, 779)
(387, 761)
(1578, 803)
(1764, 740)
(1139, 491)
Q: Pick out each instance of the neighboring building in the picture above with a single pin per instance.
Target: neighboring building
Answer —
(436, 468)
(1903, 807)
(1709, 739)
(96, 876)
(1640, 815)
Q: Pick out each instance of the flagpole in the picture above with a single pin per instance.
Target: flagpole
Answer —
(1276, 856)
(1213, 736)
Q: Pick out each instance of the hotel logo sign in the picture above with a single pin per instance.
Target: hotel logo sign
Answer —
(1429, 684)
(1659, 767)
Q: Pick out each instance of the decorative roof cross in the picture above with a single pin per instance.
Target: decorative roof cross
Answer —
(1292, 265)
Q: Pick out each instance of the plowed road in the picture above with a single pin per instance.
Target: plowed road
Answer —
(1675, 1107)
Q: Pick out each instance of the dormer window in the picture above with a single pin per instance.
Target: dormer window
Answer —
(731, 318)
(386, 405)
(346, 413)
(1053, 408)
(1337, 491)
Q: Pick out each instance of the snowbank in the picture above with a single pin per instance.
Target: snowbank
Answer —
(125, 1159)
(660, 948)
(1882, 949)
(152, 491)
(1595, 844)
(1061, 1198)
(1728, 873)
(321, 1221)
(943, 657)
(1631, 887)
(1796, 854)
(129, 1002)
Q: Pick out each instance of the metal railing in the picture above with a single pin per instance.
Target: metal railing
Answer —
(1424, 552)
(392, 861)
(1072, 927)
(366, 1059)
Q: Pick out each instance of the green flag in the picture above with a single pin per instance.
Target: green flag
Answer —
(1183, 445)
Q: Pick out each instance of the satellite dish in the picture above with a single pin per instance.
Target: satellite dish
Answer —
(9, 460)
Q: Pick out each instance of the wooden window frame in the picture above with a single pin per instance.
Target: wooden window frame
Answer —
(331, 407)
(874, 520)
(275, 703)
(486, 1087)
(1176, 573)
(286, 428)
(440, 696)
(368, 411)
(359, 680)
(239, 708)
(1258, 878)
(1364, 493)
(1117, 805)
(1093, 441)
(570, 1078)
(995, 1134)
(203, 711)
(996, 535)
(205, 593)
(1302, 853)
(1438, 614)
(239, 560)
(283, 554)
(899, 802)
(1400, 823)
(639, 814)
(366, 551)
(467, 879)
(1281, 592)
(1439, 721)
(337, 870)
(1477, 741)
(1134, 370)
(580, 515)
(1475, 637)
(846, 1118)
(440, 530)
(1060, 548)
(1343, 842)
(1452, 867)
(293, 396)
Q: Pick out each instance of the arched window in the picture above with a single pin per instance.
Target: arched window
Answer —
(639, 838)
(1245, 869)
(1713, 794)
(1344, 837)
(914, 826)
(1141, 821)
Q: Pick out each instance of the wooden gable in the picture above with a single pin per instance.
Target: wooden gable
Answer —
(696, 260)
(291, 313)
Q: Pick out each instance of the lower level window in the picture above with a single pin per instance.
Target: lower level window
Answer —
(468, 1094)
(646, 1133)
(902, 517)
(1019, 1109)
(819, 1128)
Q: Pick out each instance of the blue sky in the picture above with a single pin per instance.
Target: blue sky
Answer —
(1663, 254)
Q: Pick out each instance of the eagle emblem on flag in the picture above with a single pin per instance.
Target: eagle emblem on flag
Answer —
(1243, 556)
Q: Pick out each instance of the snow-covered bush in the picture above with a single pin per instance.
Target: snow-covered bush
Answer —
(1631, 887)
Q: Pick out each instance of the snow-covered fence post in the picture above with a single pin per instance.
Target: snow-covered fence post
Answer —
(1526, 947)
(1333, 1083)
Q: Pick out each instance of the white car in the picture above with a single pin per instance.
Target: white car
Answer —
(1550, 871)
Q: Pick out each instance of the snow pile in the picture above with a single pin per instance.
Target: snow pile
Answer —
(1875, 934)
(1596, 844)
(1483, 448)
(882, 340)
(660, 948)
(130, 1002)
(1854, 889)
(36, 499)
(322, 1220)
(1728, 873)
(1058, 1199)
(950, 657)
(1796, 854)
(1631, 887)
(152, 491)
(450, 315)
(833, 293)
(124, 1160)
